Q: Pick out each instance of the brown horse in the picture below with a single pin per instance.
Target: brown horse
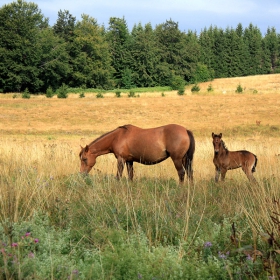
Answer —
(225, 160)
(130, 144)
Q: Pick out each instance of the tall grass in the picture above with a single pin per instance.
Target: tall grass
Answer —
(95, 226)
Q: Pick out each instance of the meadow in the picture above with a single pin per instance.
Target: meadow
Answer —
(57, 224)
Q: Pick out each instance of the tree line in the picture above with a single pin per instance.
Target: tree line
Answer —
(84, 54)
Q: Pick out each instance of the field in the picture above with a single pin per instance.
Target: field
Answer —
(57, 224)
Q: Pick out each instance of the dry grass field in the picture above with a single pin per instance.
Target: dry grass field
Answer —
(40, 141)
(40, 123)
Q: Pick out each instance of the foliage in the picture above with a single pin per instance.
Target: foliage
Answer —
(118, 93)
(49, 92)
(99, 95)
(239, 89)
(181, 91)
(62, 91)
(83, 53)
(131, 94)
(210, 88)
(195, 88)
(82, 95)
(26, 94)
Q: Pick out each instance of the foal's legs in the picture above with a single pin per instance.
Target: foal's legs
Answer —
(129, 166)
(223, 173)
(217, 173)
(248, 171)
(121, 163)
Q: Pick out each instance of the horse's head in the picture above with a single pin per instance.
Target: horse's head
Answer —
(87, 160)
(217, 141)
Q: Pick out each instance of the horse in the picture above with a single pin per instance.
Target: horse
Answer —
(130, 144)
(225, 160)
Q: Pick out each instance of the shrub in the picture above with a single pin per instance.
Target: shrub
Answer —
(49, 92)
(26, 94)
(162, 94)
(195, 88)
(118, 93)
(62, 91)
(99, 95)
(176, 82)
(181, 91)
(82, 95)
(131, 94)
(239, 89)
(210, 88)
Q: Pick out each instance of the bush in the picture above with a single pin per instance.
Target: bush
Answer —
(181, 91)
(210, 88)
(99, 95)
(26, 94)
(239, 89)
(177, 82)
(82, 95)
(195, 88)
(118, 93)
(131, 94)
(62, 91)
(49, 92)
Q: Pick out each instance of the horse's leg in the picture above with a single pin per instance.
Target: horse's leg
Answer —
(223, 173)
(121, 163)
(217, 174)
(249, 174)
(188, 166)
(180, 169)
(129, 166)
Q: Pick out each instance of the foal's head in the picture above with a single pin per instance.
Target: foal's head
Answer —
(217, 141)
(87, 160)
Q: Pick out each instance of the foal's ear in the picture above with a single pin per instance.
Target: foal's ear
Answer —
(86, 148)
(220, 135)
(213, 134)
(81, 147)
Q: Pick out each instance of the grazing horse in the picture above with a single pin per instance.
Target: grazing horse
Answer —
(130, 144)
(225, 160)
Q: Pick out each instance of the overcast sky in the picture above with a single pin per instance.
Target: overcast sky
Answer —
(192, 15)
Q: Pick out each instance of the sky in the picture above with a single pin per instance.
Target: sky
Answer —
(192, 15)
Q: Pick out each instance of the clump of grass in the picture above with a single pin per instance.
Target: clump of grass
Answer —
(62, 91)
(26, 94)
(118, 93)
(195, 88)
(99, 95)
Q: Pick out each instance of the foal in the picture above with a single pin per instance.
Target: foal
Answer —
(225, 160)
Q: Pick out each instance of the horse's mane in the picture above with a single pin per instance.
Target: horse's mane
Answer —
(224, 145)
(103, 135)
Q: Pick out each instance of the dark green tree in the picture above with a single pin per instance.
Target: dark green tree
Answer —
(272, 45)
(65, 25)
(179, 52)
(54, 62)
(91, 60)
(145, 54)
(20, 27)
(118, 38)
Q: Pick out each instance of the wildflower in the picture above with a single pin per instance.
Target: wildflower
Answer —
(223, 256)
(31, 255)
(14, 244)
(249, 258)
(207, 244)
(28, 234)
(36, 240)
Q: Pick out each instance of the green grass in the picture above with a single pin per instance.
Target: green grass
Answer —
(95, 227)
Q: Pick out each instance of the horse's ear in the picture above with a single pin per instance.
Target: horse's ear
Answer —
(220, 135)
(213, 134)
(86, 148)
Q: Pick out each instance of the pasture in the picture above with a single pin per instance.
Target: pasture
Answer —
(57, 224)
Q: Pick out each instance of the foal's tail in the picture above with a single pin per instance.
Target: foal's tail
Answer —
(255, 164)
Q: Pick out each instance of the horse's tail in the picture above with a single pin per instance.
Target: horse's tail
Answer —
(189, 156)
(191, 149)
(255, 164)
